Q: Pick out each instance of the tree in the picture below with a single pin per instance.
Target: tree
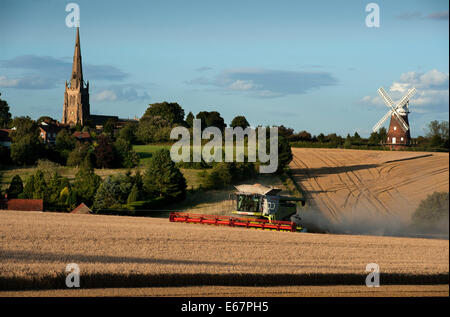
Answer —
(126, 156)
(284, 131)
(40, 186)
(109, 126)
(104, 152)
(190, 120)
(321, 138)
(170, 111)
(153, 129)
(85, 185)
(113, 192)
(374, 138)
(300, 136)
(383, 134)
(284, 153)
(134, 195)
(163, 179)
(64, 144)
(304, 136)
(16, 187)
(58, 188)
(5, 115)
(45, 119)
(26, 146)
(79, 154)
(28, 189)
(240, 121)
(128, 132)
(438, 133)
(211, 119)
(433, 129)
(219, 177)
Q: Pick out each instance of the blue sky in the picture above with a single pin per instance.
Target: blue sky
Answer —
(309, 65)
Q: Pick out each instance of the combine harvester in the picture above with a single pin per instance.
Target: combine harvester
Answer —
(259, 206)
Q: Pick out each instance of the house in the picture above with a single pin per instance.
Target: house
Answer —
(48, 131)
(82, 136)
(5, 138)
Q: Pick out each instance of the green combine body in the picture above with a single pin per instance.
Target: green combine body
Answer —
(264, 202)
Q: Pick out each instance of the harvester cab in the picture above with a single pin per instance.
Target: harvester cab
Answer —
(264, 202)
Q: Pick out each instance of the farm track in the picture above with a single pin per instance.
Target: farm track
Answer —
(339, 182)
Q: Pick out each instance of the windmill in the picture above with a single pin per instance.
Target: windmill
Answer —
(398, 135)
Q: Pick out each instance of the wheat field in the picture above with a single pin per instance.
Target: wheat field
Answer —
(114, 251)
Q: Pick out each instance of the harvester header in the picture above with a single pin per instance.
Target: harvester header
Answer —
(258, 207)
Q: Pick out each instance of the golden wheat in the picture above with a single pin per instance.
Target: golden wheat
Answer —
(36, 247)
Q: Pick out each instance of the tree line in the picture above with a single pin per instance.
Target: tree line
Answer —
(436, 138)
(161, 183)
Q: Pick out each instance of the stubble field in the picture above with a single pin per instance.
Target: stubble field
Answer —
(371, 192)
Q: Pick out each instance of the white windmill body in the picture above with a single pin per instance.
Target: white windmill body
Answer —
(398, 135)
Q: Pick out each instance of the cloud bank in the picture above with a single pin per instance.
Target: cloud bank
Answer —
(127, 92)
(267, 83)
(439, 16)
(46, 72)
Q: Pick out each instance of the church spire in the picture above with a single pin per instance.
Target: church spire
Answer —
(77, 72)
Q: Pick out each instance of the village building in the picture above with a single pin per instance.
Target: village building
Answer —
(5, 139)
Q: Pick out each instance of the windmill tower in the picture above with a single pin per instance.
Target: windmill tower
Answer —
(398, 135)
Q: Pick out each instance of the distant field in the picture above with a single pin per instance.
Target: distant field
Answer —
(191, 175)
(145, 152)
(114, 251)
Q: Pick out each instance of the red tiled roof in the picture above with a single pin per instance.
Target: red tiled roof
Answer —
(81, 135)
(26, 204)
(81, 209)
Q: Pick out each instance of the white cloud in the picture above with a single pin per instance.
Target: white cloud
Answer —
(267, 83)
(242, 85)
(105, 95)
(128, 92)
(8, 83)
(432, 91)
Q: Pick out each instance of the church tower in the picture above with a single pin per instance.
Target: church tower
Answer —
(76, 95)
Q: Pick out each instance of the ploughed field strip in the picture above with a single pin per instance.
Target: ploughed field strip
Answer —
(114, 251)
(338, 182)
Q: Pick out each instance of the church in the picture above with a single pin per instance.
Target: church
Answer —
(76, 109)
